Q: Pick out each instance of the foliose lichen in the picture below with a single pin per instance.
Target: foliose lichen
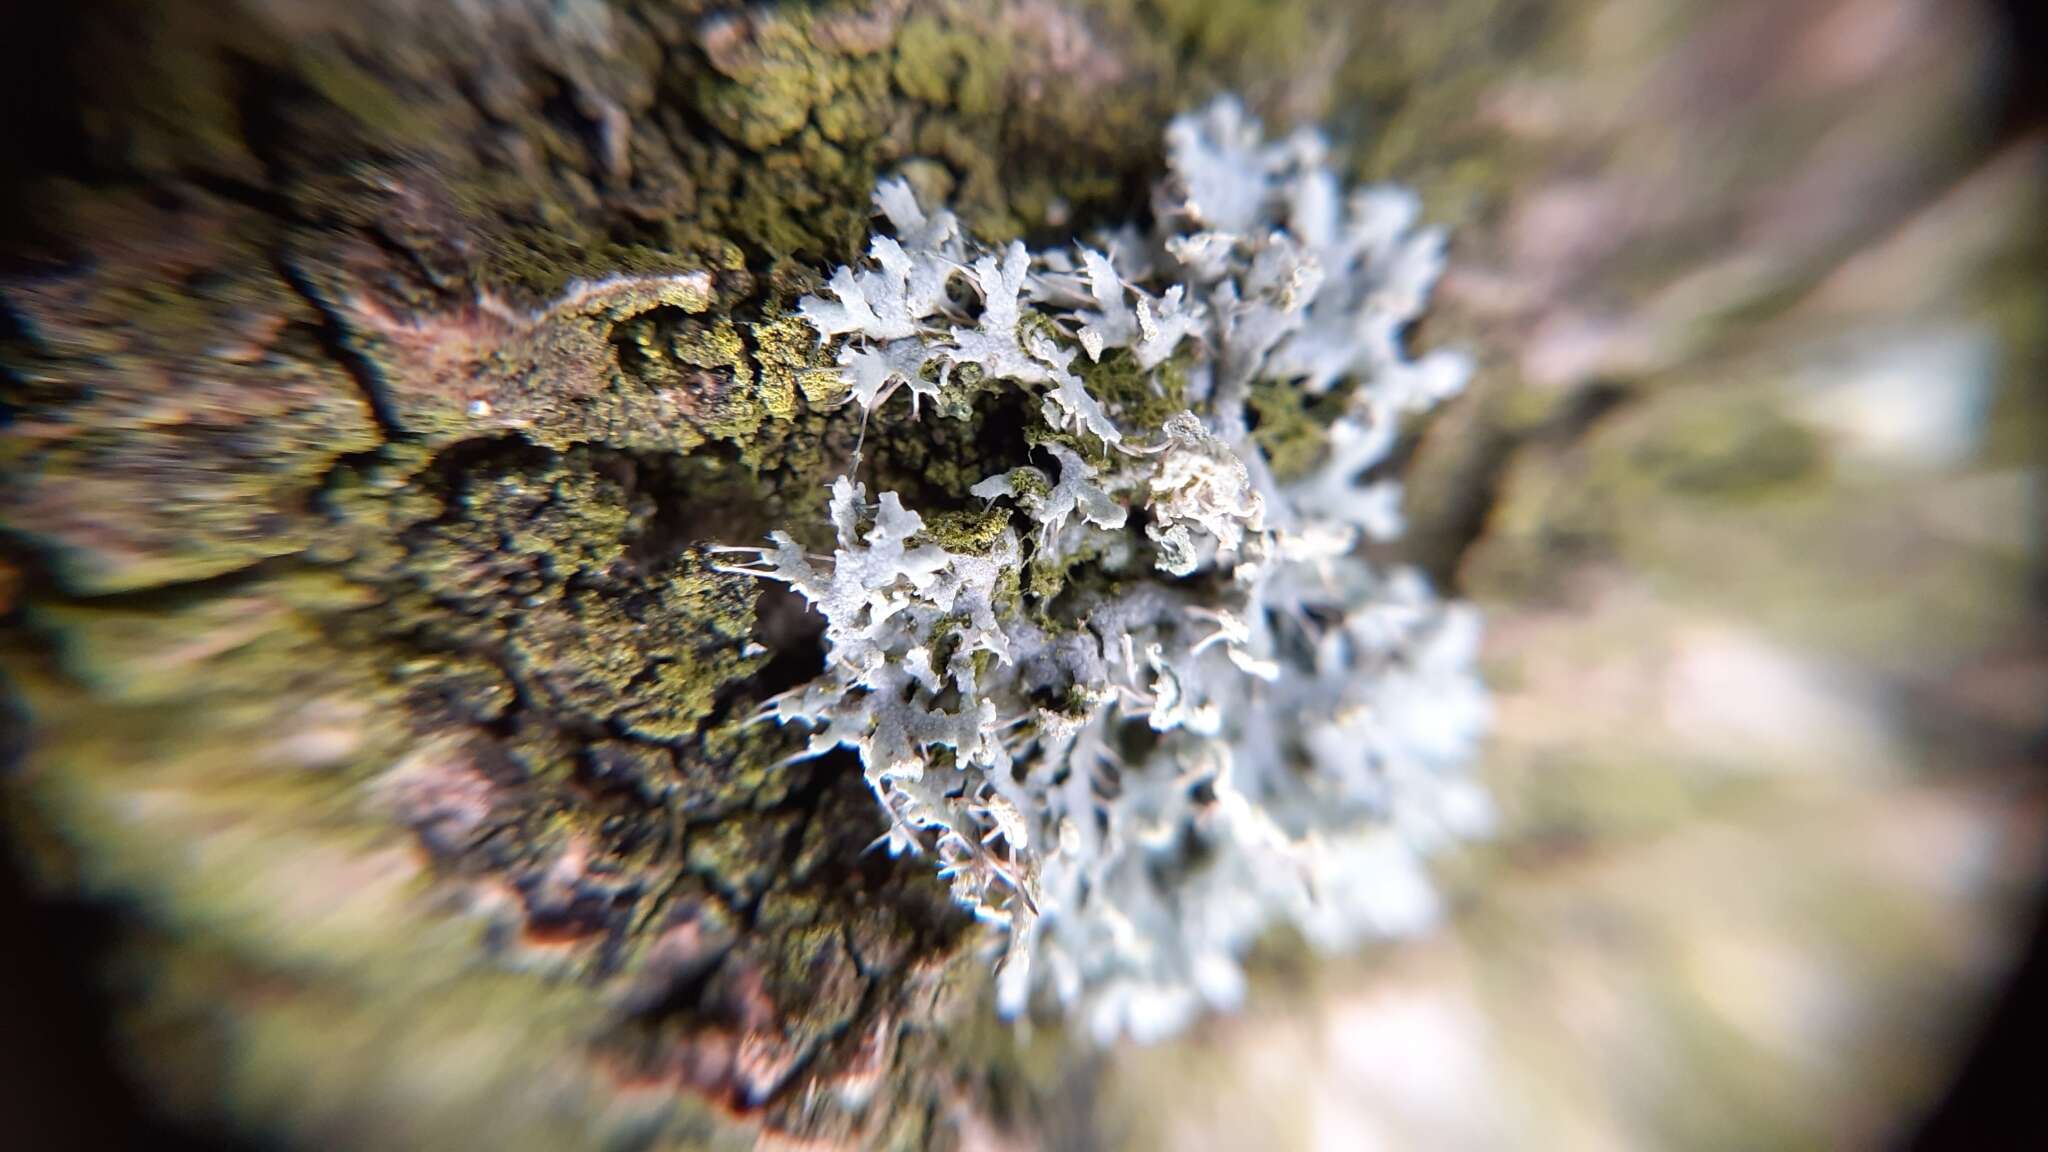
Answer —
(1204, 713)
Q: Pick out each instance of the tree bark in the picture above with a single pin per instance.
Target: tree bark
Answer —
(382, 374)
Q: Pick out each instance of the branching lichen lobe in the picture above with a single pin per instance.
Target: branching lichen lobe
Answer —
(1100, 775)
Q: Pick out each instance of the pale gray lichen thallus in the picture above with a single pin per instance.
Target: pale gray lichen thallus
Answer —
(1217, 717)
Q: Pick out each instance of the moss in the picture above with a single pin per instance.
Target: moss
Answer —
(516, 529)
(969, 436)
(290, 911)
(1254, 31)
(784, 210)
(740, 857)
(567, 564)
(541, 262)
(791, 362)
(766, 76)
(976, 533)
(1291, 427)
(811, 117)
(945, 645)
(951, 66)
(1700, 452)
(672, 355)
(1029, 484)
(650, 658)
(650, 661)
(959, 391)
(1735, 447)
(806, 937)
(861, 104)
(640, 364)
(980, 190)
(738, 764)
(1047, 577)
(1086, 445)
(1139, 401)
(459, 689)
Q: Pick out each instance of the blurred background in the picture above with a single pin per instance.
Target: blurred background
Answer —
(1748, 486)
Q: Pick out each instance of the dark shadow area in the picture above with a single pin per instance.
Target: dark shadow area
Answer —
(63, 1080)
(1994, 1102)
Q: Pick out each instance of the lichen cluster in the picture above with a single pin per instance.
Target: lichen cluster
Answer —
(1141, 696)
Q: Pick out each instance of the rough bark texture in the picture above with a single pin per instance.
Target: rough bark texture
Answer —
(381, 372)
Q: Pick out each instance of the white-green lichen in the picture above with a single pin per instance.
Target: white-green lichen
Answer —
(1221, 718)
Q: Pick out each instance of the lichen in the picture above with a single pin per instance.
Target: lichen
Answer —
(480, 306)
(1101, 775)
